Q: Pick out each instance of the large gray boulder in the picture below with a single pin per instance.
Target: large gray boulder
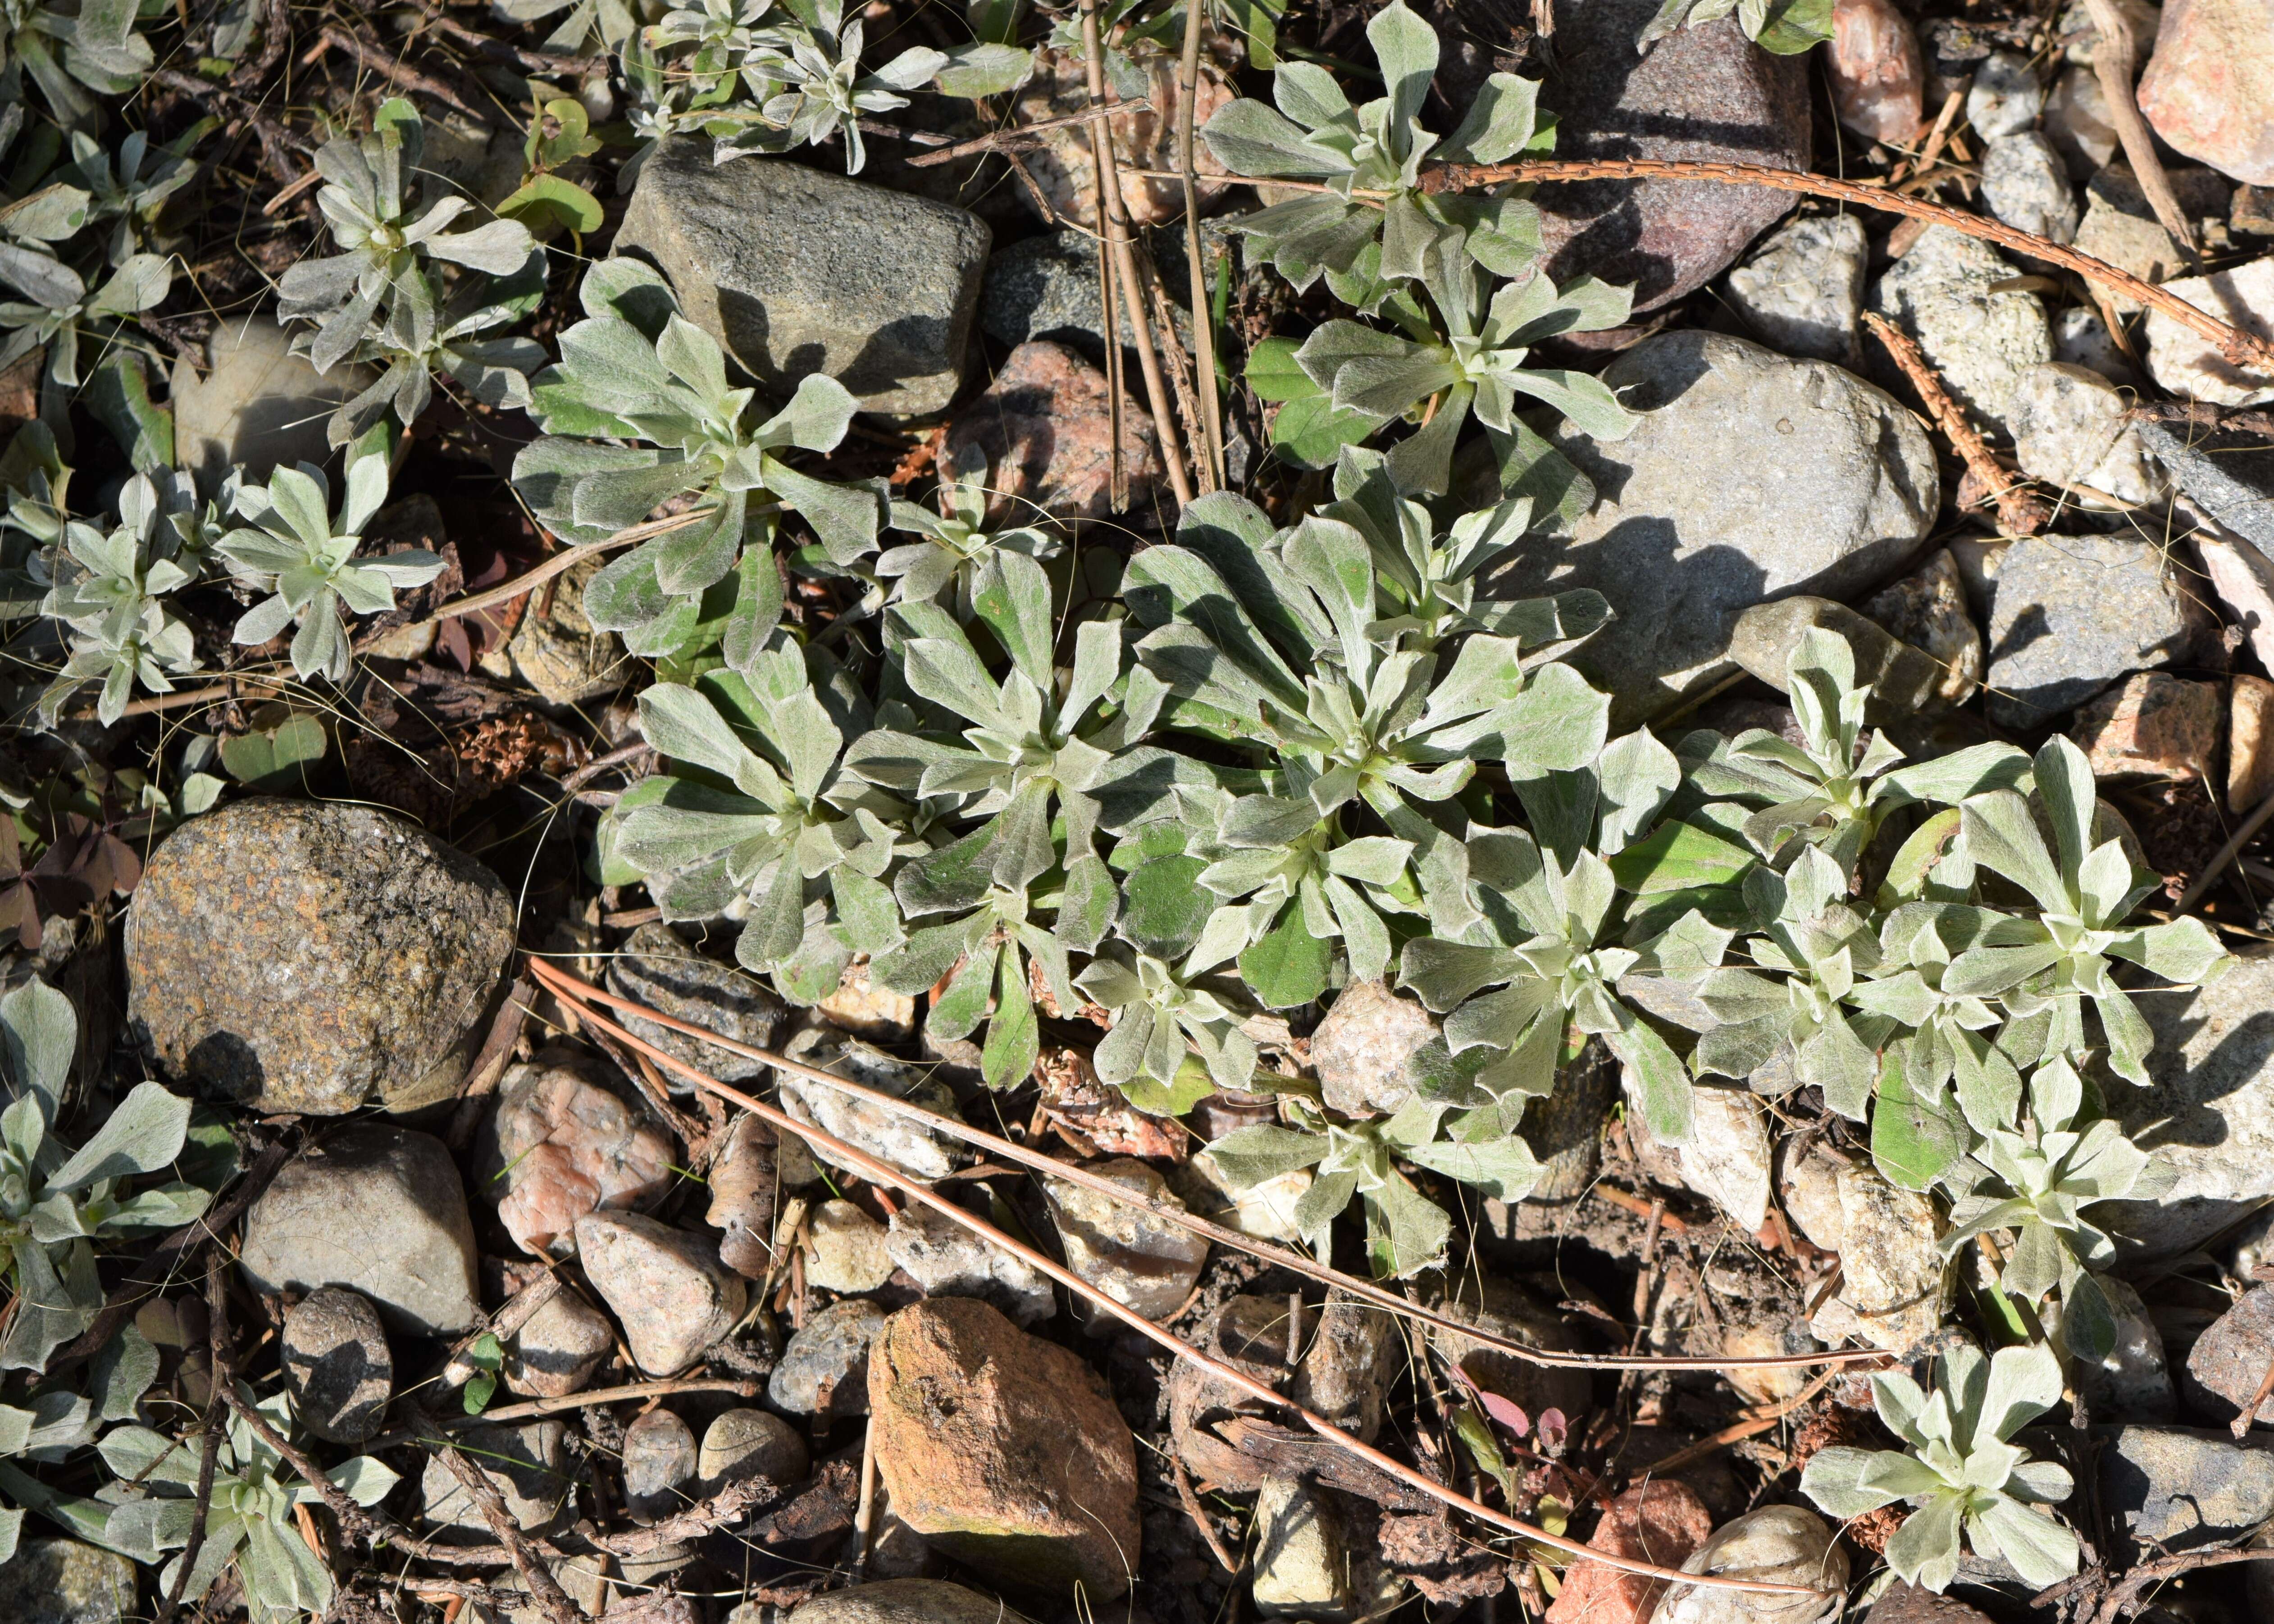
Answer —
(798, 270)
(376, 1209)
(2074, 613)
(1705, 92)
(310, 956)
(1751, 476)
(2209, 1110)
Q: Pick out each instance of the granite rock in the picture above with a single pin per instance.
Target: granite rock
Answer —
(2008, 92)
(1140, 1261)
(2228, 473)
(2026, 185)
(2152, 725)
(827, 1363)
(750, 1443)
(2208, 86)
(560, 1145)
(1803, 289)
(2074, 613)
(2181, 1489)
(657, 966)
(2120, 226)
(658, 1462)
(666, 1287)
(63, 1582)
(947, 1259)
(1877, 75)
(2070, 430)
(1044, 428)
(528, 1465)
(558, 1348)
(1980, 342)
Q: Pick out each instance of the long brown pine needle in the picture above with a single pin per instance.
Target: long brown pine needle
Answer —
(584, 992)
(882, 1172)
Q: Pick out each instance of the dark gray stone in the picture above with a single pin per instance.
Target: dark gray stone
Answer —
(376, 1209)
(1750, 476)
(305, 956)
(2180, 1488)
(659, 1466)
(2227, 1364)
(2230, 474)
(527, 1465)
(2074, 613)
(63, 1582)
(1045, 287)
(337, 1365)
(1704, 93)
(659, 969)
(798, 270)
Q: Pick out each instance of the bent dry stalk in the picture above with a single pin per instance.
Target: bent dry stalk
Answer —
(586, 995)
(884, 1173)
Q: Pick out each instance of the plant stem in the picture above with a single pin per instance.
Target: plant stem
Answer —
(1188, 84)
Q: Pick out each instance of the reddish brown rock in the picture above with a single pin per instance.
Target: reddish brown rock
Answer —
(2153, 725)
(1878, 78)
(1043, 427)
(2210, 83)
(1004, 1451)
(1662, 1523)
(560, 1146)
(670, 1292)
(2249, 743)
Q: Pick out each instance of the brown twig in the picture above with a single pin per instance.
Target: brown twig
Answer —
(401, 73)
(1199, 1515)
(1730, 1434)
(216, 1411)
(489, 1062)
(2019, 513)
(2120, 1599)
(518, 1311)
(2226, 854)
(1006, 141)
(727, 1505)
(539, 1407)
(528, 1562)
(579, 992)
(1114, 217)
(2113, 62)
(1188, 81)
(2242, 349)
(878, 1171)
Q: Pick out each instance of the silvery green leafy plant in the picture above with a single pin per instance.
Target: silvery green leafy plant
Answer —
(1369, 158)
(760, 818)
(1278, 639)
(716, 38)
(389, 271)
(1469, 361)
(251, 1522)
(1175, 1036)
(494, 370)
(638, 413)
(1963, 1476)
(2040, 1182)
(944, 567)
(127, 187)
(54, 1203)
(2085, 887)
(1788, 27)
(55, 1421)
(297, 550)
(60, 310)
(109, 591)
(69, 51)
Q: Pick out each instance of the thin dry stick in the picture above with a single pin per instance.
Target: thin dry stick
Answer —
(401, 73)
(1188, 82)
(1180, 377)
(2227, 854)
(2242, 349)
(1115, 218)
(1116, 388)
(568, 557)
(2019, 513)
(1935, 136)
(1199, 1515)
(1006, 141)
(216, 1409)
(1746, 1428)
(864, 1513)
(528, 1562)
(2113, 61)
(583, 993)
(881, 1172)
(537, 1407)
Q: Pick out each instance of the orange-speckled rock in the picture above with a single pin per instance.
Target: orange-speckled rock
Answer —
(1002, 1450)
(302, 956)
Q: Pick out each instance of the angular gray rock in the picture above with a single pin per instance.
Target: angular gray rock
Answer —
(1354, 1355)
(2073, 614)
(257, 404)
(2180, 1488)
(2026, 185)
(1140, 1261)
(376, 1209)
(63, 1582)
(2079, 123)
(2189, 365)
(306, 956)
(750, 1443)
(337, 1365)
(659, 1466)
(659, 969)
(2230, 474)
(1750, 477)
(666, 1287)
(2212, 1106)
(828, 1361)
(1766, 637)
(2120, 226)
(2069, 428)
(2228, 1363)
(798, 270)
(1979, 342)
(1308, 1565)
(947, 1259)
(1703, 92)
(1782, 1545)
(558, 1348)
(528, 1465)
(1803, 289)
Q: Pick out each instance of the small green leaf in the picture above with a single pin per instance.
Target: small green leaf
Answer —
(1677, 857)
(1286, 968)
